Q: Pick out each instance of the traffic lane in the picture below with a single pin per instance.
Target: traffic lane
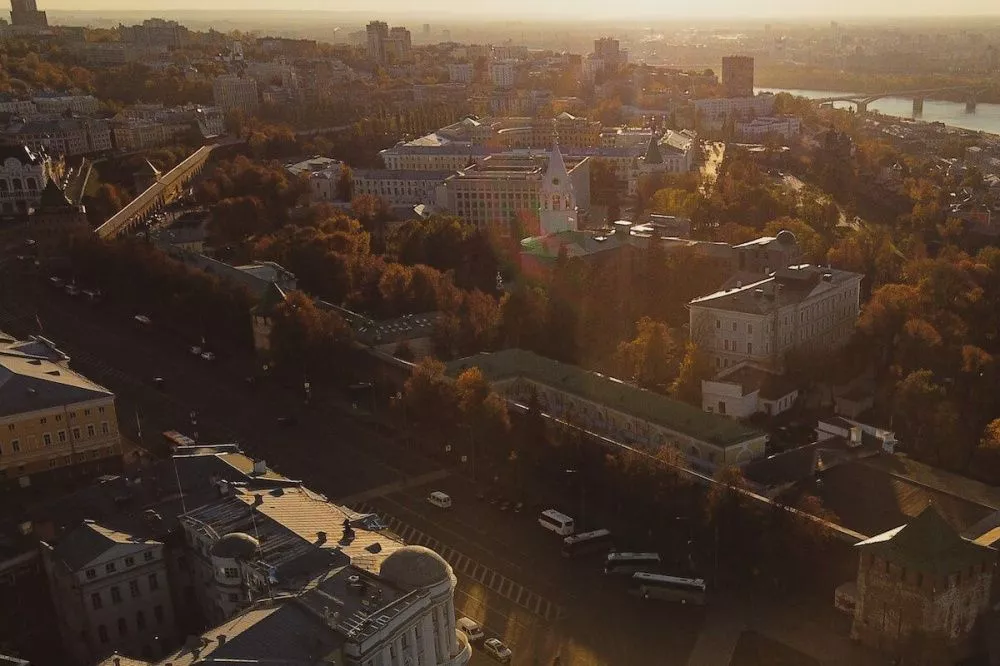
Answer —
(293, 451)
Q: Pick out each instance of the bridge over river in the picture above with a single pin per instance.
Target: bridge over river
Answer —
(918, 96)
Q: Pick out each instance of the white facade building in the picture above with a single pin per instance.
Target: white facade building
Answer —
(462, 72)
(399, 187)
(799, 307)
(236, 93)
(719, 108)
(502, 74)
(111, 592)
(746, 389)
(784, 126)
(24, 173)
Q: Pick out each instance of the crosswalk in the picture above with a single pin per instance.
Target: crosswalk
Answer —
(465, 566)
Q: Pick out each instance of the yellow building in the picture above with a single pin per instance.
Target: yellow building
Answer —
(53, 421)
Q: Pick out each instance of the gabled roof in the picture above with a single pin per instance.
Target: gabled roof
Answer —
(30, 383)
(928, 543)
(91, 540)
(53, 197)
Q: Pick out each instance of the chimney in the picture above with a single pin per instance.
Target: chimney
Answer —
(258, 499)
(259, 468)
(222, 639)
(739, 284)
(827, 277)
(320, 538)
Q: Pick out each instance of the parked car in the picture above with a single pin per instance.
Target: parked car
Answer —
(470, 628)
(195, 350)
(496, 649)
(159, 383)
(56, 281)
(439, 499)
(143, 319)
(208, 356)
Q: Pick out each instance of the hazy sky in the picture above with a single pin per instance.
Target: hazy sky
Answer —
(572, 9)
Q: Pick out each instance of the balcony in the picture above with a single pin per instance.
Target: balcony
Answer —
(464, 653)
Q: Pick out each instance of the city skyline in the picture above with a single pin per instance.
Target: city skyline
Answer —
(583, 10)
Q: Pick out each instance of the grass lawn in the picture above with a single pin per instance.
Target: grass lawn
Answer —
(756, 650)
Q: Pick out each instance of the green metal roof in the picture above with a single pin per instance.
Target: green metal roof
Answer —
(612, 393)
(928, 543)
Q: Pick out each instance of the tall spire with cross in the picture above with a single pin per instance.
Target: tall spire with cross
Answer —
(557, 199)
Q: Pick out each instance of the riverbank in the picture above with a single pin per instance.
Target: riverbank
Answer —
(804, 77)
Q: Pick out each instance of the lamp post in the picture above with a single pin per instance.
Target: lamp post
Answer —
(583, 488)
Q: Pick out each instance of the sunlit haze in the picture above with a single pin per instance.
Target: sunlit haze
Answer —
(578, 9)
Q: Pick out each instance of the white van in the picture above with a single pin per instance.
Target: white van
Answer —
(439, 499)
(559, 523)
(472, 630)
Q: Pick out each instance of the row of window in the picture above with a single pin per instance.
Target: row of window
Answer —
(97, 599)
(16, 185)
(111, 567)
(14, 445)
(140, 624)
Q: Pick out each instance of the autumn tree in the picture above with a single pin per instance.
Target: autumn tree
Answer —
(308, 341)
(695, 367)
(652, 358)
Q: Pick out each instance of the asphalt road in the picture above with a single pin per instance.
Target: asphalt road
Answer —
(511, 575)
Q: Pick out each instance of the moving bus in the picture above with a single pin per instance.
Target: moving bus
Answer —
(598, 541)
(559, 523)
(669, 588)
(176, 439)
(630, 563)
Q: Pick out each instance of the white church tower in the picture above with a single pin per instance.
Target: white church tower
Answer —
(557, 211)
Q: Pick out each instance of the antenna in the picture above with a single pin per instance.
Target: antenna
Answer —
(173, 459)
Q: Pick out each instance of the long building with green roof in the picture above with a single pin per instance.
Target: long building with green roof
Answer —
(615, 409)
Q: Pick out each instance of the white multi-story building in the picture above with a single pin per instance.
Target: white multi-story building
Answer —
(795, 308)
(84, 105)
(784, 126)
(67, 136)
(501, 189)
(502, 74)
(110, 591)
(673, 152)
(399, 187)
(462, 72)
(24, 173)
(717, 109)
(236, 93)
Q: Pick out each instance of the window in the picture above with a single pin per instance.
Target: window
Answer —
(86, 412)
(91, 574)
(232, 572)
(718, 324)
(109, 567)
(76, 433)
(154, 583)
(61, 436)
(133, 588)
(95, 601)
(116, 595)
(749, 347)
(90, 430)
(100, 410)
(15, 445)
(148, 556)
(10, 426)
(734, 326)
(43, 420)
(129, 561)
(104, 427)
(158, 612)
(722, 407)
(140, 620)
(58, 417)
(750, 328)
(122, 627)
(47, 439)
(102, 633)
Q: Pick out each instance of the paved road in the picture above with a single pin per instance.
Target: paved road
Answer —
(511, 575)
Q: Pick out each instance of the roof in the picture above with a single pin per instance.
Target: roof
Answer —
(610, 392)
(653, 155)
(928, 543)
(29, 383)
(784, 287)
(414, 567)
(435, 176)
(88, 542)
(872, 495)
(750, 378)
(282, 633)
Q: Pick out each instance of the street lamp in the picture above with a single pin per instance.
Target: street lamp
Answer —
(307, 388)
(583, 489)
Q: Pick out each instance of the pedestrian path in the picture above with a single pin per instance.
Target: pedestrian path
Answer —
(395, 487)
(465, 566)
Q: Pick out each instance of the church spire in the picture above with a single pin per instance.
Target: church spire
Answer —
(556, 176)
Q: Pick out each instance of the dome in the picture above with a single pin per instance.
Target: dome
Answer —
(235, 546)
(415, 567)
(786, 237)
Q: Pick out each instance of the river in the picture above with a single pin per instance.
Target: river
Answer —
(986, 117)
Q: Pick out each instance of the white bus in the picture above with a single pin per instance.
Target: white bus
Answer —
(598, 541)
(669, 588)
(559, 523)
(629, 563)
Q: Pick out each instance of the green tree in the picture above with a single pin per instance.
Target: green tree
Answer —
(652, 358)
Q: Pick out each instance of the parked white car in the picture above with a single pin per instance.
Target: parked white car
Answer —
(496, 649)
(470, 628)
